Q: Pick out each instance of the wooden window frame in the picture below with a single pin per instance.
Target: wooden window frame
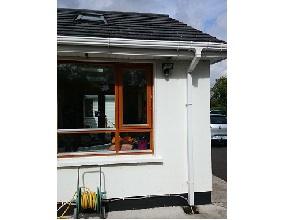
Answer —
(119, 126)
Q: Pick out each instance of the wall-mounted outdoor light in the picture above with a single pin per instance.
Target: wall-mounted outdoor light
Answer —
(167, 67)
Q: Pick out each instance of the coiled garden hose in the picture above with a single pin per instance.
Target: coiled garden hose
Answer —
(88, 200)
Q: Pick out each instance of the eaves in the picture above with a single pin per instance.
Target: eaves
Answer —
(93, 47)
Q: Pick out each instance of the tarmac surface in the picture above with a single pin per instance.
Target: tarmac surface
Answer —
(216, 210)
(219, 162)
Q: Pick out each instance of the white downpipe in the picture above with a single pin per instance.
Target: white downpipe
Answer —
(190, 156)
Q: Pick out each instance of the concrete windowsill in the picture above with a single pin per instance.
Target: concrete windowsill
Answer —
(107, 160)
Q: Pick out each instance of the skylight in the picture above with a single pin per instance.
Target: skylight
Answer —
(96, 18)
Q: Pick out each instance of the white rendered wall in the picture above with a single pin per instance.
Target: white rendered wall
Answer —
(170, 144)
(201, 127)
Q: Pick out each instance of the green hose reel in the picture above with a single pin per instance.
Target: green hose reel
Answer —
(100, 196)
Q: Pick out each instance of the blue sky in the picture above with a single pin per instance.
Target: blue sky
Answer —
(209, 16)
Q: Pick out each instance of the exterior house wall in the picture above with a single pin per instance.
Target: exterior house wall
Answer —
(169, 176)
(201, 127)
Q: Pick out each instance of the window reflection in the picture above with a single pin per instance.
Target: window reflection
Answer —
(88, 142)
(85, 96)
(134, 96)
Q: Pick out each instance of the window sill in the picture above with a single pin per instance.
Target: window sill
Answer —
(107, 160)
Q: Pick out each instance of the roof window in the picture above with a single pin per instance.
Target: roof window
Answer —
(89, 17)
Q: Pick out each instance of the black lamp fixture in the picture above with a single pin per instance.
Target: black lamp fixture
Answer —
(167, 67)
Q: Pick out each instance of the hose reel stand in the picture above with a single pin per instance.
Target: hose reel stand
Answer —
(97, 201)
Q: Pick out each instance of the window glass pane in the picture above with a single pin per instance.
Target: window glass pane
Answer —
(134, 141)
(89, 142)
(110, 110)
(134, 96)
(85, 96)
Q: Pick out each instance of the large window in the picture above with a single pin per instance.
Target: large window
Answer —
(104, 109)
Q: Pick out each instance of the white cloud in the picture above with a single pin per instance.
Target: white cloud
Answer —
(94, 4)
(217, 70)
(219, 27)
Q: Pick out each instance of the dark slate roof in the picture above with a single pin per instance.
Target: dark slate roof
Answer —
(131, 25)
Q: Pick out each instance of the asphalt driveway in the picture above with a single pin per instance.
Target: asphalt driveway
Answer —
(219, 162)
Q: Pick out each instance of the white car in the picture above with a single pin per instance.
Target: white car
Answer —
(218, 125)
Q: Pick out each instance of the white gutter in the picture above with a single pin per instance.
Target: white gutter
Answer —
(133, 43)
(190, 156)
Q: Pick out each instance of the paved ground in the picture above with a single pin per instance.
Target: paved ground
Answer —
(219, 162)
(216, 210)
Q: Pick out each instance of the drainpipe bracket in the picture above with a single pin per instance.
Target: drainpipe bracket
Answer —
(197, 58)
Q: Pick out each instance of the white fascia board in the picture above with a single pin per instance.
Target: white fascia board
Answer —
(119, 52)
(133, 43)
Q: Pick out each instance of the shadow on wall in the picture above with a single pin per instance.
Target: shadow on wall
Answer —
(201, 71)
(179, 71)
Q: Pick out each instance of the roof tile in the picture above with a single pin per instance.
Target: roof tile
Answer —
(132, 25)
